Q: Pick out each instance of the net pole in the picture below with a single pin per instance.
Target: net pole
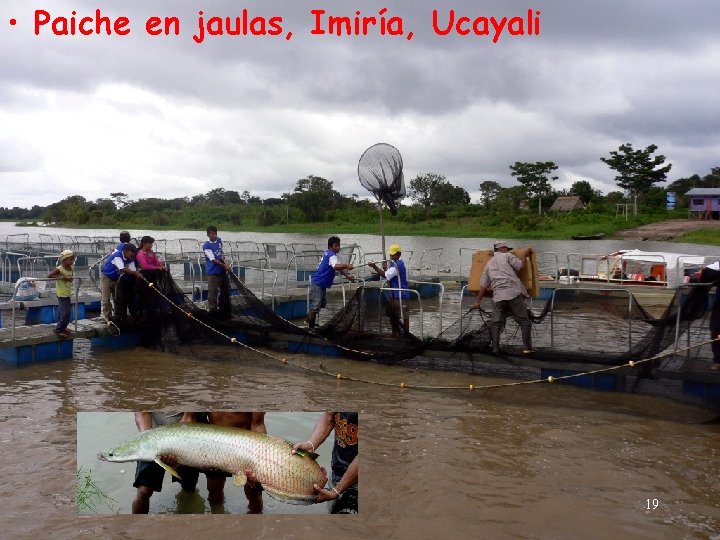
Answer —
(382, 228)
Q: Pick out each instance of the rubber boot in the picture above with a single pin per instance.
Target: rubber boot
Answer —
(495, 338)
(310, 319)
(526, 331)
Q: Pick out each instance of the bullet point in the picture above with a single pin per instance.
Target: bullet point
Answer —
(13, 22)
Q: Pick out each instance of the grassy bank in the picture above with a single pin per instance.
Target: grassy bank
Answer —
(523, 225)
(709, 237)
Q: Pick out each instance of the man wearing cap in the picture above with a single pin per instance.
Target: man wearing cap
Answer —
(396, 275)
(63, 289)
(509, 295)
(120, 269)
(124, 239)
(323, 277)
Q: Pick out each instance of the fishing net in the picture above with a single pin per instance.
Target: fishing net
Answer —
(380, 172)
(607, 327)
(171, 318)
(578, 325)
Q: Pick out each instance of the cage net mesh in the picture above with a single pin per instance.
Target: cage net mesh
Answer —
(577, 325)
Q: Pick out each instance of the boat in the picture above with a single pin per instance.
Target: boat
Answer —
(589, 237)
(633, 267)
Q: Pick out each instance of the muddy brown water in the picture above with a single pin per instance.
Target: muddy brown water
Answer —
(522, 461)
(542, 461)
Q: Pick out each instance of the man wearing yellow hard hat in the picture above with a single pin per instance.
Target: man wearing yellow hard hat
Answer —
(396, 275)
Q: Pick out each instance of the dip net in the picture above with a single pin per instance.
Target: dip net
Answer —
(380, 171)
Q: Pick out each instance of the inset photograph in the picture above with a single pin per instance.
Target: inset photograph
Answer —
(220, 462)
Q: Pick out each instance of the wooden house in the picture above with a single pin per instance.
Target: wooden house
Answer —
(567, 204)
(704, 203)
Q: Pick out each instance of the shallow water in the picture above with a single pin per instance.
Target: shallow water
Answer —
(521, 461)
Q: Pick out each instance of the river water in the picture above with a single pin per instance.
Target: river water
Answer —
(525, 461)
(412, 246)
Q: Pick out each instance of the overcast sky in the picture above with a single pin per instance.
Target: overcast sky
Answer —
(167, 117)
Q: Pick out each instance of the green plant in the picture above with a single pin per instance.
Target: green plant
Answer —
(88, 493)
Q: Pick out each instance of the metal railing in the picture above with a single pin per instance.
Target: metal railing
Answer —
(462, 254)
(30, 266)
(431, 259)
(548, 264)
(342, 284)
(76, 283)
(307, 269)
(94, 269)
(441, 294)
(411, 291)
(263, 272)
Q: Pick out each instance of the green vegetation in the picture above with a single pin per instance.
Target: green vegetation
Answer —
(88, 495)
(438, 207)
(709, 237)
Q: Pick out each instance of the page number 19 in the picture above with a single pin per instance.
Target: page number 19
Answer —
(651, 504)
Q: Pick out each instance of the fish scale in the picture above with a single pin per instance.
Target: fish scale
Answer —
(284, 476)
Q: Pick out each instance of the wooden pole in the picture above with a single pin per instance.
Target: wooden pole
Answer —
(382, 228)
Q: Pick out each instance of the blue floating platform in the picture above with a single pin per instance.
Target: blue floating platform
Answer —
(50, 314)
(40, 352)
(706, 391)
(123, 341)
(312, 348)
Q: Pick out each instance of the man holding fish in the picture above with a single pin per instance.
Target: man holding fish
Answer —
(149, 474)
(343, 494)
(250, 456)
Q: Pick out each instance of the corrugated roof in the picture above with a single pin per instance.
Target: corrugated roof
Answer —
(704, 191)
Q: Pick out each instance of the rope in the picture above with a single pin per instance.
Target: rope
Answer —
(403, 385)
(113, 329)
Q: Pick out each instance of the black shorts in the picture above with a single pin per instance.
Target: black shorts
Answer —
(190, 475)
(149, 474)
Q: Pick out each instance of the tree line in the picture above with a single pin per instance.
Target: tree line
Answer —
(314, 199)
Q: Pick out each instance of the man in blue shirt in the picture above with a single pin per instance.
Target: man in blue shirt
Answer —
(323, 279)
(216, 269)
(119, 269)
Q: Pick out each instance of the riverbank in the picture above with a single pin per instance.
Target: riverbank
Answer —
(685, 230)
(644, 228)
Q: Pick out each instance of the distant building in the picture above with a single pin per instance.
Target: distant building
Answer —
(567, 204)
(703, 203)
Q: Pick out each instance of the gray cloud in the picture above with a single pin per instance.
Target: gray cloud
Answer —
(167, 117)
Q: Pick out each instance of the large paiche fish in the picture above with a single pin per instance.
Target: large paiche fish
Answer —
(284, 476)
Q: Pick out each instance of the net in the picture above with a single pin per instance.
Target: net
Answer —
(380, 172)
(607, 327)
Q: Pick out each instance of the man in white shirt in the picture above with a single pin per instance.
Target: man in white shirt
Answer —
(509, 296)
